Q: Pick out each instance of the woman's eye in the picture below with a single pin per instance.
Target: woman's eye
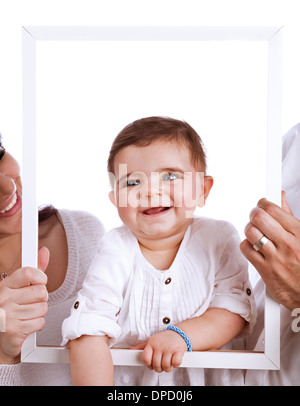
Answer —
(170, 176)
(133, 182)
(2, 152)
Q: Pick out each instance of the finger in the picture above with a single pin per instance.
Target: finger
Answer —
(277, 218)
(43, 258)
(166, 362)
(267, 225)
(29, 294)
(25, 277)
(156, 361)
(32, 311)
(284, 203)
(177, 359)
(33, 325)
(140, 346)
(147, 356)
(253, 235)
(256, 258)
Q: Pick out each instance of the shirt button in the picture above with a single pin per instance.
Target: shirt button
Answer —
(76, 305)
(248, 291)
(167, 281)
(166, 320)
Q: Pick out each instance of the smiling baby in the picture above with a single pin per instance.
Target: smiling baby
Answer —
(165, 282)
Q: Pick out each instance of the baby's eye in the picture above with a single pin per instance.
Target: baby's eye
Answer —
(171, 176)
(133, 182)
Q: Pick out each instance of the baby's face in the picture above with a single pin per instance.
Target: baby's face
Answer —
(157, 189)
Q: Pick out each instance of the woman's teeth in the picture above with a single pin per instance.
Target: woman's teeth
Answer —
(11, 205)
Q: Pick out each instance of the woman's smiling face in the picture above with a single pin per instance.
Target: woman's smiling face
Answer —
(157, 188)
(10, 194)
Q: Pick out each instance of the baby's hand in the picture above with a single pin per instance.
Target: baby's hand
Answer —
(163, 351)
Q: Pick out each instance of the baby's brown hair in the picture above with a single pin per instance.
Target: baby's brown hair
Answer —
(144, 131)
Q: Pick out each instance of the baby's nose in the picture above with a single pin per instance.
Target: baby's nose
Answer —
(151, 188)
(155, 194)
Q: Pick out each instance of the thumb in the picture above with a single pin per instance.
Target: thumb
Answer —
(140, 346)
(284, 203)
(43, 258)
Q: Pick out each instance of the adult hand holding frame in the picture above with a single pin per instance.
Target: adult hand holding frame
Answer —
(31, 352)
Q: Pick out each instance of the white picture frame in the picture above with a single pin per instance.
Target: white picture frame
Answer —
(31, 352)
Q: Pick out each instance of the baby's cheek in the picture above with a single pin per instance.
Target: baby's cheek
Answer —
(185, 196)
(128, 198)
(177, 194)
(125, 214)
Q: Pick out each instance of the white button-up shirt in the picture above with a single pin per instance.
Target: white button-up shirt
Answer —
(129, 300)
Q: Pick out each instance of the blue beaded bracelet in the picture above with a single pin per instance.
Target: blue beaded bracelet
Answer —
(183, 335)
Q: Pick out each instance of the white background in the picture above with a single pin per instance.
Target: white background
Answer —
(81, 120)
(88, 91)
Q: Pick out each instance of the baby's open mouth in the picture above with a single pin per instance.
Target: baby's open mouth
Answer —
(155, 210)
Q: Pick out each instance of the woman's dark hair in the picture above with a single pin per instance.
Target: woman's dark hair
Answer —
(46, 212)
(2, 152)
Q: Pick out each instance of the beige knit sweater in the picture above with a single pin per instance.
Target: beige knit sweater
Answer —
(83, 231)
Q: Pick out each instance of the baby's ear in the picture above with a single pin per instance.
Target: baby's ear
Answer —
(208, 184)
(111, 196)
